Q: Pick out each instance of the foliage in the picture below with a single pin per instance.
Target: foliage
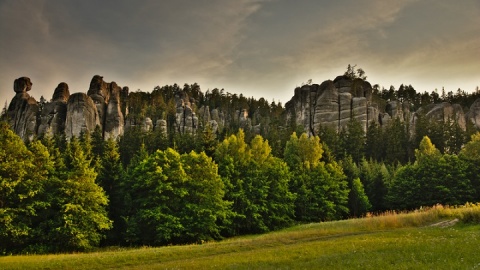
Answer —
(175, 199)
(22, 176)
(470, 154)
(352, 140)
(362, 204)
(353, 73)
(82, 216)
(376, 178)
(256, 183)
(433, 178)
(110, 175)
(49, 202)
(320, 188)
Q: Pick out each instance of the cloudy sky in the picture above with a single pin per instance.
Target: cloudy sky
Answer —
(255, 47)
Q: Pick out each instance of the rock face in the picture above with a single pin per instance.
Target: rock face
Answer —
(113, 119)
(23, 109)
(107, 98)
(186, 121)
(54, 113)
(444, 112)
(82, 115)
(474, 113)
(332, 104)
(103, 105)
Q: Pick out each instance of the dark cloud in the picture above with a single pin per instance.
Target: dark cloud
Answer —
(258, 48)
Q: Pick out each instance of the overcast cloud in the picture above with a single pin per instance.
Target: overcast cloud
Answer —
(254, 47)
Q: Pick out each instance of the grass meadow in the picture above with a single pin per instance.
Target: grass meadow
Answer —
(431, 238)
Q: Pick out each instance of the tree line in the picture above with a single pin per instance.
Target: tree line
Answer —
(62, 196)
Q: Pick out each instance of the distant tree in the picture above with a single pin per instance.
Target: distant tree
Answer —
(4, 111)
(208, 141)
(130, 143)
(304, 152)
(433, 178)
(360, 203)
(156, 188)
(97, 142)
(353, 140)
(353, 73)
(83, 218)
(320, 188)
(375, 177)
(375, 143)
(396, 142)
(175, 199)
(471, 155)
(257, 184)
(22, 177)
(110, 175)
(331, 140)
(204, 208)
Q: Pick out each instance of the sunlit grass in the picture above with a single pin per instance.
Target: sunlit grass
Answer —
(390, 241)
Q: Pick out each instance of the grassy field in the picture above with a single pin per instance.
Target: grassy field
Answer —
(389, 241)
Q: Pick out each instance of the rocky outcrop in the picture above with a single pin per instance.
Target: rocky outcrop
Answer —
(113, 119)
(332, 104)
(82, 115)
(54, 113)
(442, 112)
(103, 105)
(474, 113)
(23, 110)
(186, 121)
(161, 126)
(107, 98)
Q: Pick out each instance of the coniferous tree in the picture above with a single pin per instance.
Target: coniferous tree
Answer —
(110, 175)
(353, 140)
(375, 142)
(22, 176)
(82, 218)
(470, 154)
(375, 177)
(360, 203)
(433, 178)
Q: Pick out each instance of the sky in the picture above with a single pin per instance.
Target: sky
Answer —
(258, 48)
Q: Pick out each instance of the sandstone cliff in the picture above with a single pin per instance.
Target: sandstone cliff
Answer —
(53, 115)
(332, 104)
(23, 109)
(103, 105)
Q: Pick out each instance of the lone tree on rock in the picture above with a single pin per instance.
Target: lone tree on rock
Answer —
(353, 73)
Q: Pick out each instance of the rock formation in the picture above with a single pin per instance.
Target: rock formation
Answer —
(54, 113)
(82, 115)
(23, 109)
(107, 98)
(186, 121)
(103, 105)
(474, 113)
(443, 112)
(113, 119)
(332, 104)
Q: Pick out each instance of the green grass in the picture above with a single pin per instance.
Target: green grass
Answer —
(390, 241)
